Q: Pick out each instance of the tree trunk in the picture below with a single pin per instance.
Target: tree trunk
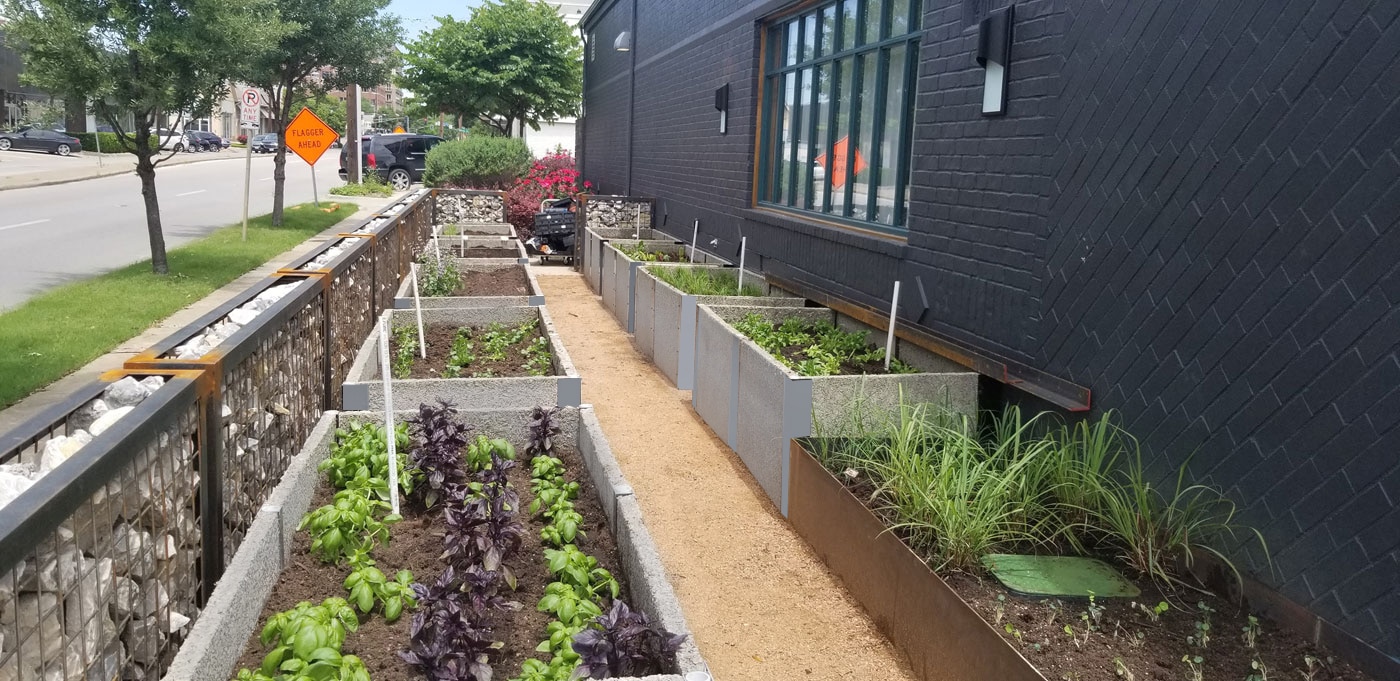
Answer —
(279, 177)
(146, 170)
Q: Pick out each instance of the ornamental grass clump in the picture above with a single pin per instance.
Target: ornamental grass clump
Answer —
(704, 281)
(1026, 485)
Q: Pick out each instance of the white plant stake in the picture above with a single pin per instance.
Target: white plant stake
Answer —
(694, 241)
(389, 415)
(743, 249)
(889, 337)
(418, 310)
(437, 250)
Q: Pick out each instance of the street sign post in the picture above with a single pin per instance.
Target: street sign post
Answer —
(309, 137)
(249, 114)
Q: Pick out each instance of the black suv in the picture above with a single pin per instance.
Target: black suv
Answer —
(399, 158)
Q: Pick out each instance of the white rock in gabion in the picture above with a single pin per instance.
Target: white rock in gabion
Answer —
(102, 424)
(127, 598)
(54, 571)
(37, 619)
(61, 448)
(153, 383)
(142, 638)
(128, 392)
(132, 551)
(12, 485)
(90, 596)
(242, 317)
(82, 418)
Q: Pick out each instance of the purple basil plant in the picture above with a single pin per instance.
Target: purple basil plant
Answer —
(625, 643)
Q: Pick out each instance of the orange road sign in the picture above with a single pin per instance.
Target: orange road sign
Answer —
(309, 137)
(838, 166)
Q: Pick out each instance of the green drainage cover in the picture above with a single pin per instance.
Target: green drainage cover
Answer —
(1058, 576)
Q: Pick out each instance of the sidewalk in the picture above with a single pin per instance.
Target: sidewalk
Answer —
(23, 169)
(760, 604)
(59, 389)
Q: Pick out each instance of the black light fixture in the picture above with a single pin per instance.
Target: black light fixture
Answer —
(722, 104)
(994, 55)
(623, 43)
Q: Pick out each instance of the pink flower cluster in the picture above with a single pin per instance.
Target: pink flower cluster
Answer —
(551, 177)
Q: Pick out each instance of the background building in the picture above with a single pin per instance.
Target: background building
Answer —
(17, 99)
(1188, 213)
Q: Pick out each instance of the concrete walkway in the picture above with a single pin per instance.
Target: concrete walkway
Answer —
(59, 389)
(761, 605)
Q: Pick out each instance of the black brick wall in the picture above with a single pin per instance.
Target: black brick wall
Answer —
(1192, 208)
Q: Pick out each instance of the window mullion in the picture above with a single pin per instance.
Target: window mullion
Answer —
(906, 134)
(796, 124)
(830, 149)
(877, 128)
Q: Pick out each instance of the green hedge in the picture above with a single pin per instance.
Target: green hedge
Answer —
(477, 162)
(110, 144)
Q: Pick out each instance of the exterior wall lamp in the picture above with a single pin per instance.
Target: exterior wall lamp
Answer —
(994, 55)
(623, 43)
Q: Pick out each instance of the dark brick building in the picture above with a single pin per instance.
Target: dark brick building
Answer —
(1190, 208)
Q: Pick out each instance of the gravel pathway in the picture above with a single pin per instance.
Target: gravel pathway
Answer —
(761, 605)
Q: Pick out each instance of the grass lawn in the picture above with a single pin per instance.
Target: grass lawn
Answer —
(59, 331)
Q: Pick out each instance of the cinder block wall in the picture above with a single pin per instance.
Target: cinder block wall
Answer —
(1192, 208)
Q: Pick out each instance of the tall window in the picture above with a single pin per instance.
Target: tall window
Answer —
(838, 111)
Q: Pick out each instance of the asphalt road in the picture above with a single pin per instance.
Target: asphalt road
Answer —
(57, 234)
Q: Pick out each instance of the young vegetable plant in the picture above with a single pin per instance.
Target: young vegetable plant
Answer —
(346, 526)
(450, 637)
(481, 449)
(405, 344)
(308, 640)
(625, 643)
(581, 571)
(568, 605)
(367, 584)
(359, 459)
(438, 455)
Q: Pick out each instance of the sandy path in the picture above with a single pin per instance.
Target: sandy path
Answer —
(760, 603)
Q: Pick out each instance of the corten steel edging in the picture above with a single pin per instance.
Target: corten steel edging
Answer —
(26, 521)
(943, 637)
(338, 264)
(1057, 391)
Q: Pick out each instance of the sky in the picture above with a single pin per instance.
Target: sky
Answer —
(418, 15)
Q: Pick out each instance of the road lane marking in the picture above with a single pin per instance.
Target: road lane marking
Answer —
(265, 179)
(197, 191)
(25, 224)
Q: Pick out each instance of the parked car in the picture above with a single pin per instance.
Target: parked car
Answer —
(265, 143)
(170, 140)
(398, 159)
(207, 141)
(35, 139)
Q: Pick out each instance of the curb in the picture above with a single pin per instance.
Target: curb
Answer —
(101, 173)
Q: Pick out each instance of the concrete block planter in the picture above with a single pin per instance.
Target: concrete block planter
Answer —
(363, 389)
(619, 275)
(943, 637)
(403, 299)
(664, 320)
(756, 404)
(454, 229)
(234, 609)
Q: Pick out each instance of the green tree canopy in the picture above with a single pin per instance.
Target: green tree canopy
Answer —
(327, 45)
(513, 61)
(159, 60)
(326, 107)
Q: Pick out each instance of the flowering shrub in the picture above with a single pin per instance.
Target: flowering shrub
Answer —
(242, 139)
(551, 177)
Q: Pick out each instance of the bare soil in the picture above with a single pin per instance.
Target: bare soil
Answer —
(440, 337)
(481, 252)
(760, 604)
(416, 545)
(503, 282)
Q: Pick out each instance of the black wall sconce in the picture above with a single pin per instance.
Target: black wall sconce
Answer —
(722, 104)
(994, 55)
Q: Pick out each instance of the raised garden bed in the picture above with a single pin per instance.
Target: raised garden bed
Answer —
(560, 385)
(590, 250)
(756, 404)
(279, 571)
(489, 247)
(664, 316)
(480, 284)
(619, 272)
(482, 351)
(956, 622)
(478, 229)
